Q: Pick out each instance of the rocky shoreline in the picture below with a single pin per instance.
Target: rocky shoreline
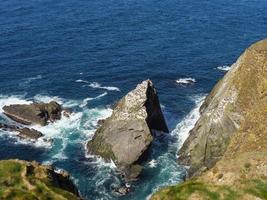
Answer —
(225, 151)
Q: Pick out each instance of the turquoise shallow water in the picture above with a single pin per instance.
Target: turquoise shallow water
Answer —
(88, 54)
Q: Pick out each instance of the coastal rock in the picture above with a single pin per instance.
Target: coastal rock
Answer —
(235, 127)
(30, 180)
(225, 109)
(127, 134)
(23, 132)
(35, 113)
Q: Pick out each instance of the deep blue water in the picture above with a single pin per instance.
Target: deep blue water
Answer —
(46, 46)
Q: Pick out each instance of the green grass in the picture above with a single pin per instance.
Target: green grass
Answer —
(185, 190)
(16, 186)
(257, 188)
(254, 187)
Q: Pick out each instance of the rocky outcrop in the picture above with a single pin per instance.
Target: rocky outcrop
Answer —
(225, 109)
(23, 132)
(229, 142)
(35, 113)
(30, 180)
(127, 134)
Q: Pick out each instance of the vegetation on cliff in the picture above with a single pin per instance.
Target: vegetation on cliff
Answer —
(233, 132)
(23, 180)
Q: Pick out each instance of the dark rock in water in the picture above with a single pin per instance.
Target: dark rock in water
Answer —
(122, 191)
(23, 132)
(35, 113)
(100, 122)
(126, 136)
(66, 112)
(29, 133)
(132, 172)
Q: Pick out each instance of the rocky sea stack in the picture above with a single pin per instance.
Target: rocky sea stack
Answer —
(126, 136)
(227, 148)
(30, 180)
(35, 113)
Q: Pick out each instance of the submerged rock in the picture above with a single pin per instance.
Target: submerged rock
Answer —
(30, 180)
(23, 132)
(126, 136)
(35, 113)
(225, 109)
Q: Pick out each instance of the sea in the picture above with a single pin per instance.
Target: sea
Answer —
(87, 54)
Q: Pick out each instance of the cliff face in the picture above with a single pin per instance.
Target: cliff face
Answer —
(30, 180)
(126, 135)
(224, 110)
(230, 138)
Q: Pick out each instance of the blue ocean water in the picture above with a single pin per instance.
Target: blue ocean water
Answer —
(87, 54)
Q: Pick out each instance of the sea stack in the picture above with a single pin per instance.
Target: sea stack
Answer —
(126, 136)
(225, 109)
(35, 113)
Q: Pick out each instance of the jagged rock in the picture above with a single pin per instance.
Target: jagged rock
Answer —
(123, 190)
(35, 113)
(225, 108)
(23, 132)
(30, 180)
(126, 135)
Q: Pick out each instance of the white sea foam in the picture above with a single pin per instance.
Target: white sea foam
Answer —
(186, 81)
(153, 163)
(81, 81)
(183, 128)
(98, 85)
(224, 68)
(46, 99)
(14, 99)
(85, 101)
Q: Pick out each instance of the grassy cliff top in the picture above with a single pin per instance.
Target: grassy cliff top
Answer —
(21, 180)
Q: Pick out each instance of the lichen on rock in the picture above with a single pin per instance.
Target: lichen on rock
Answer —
(127, 134)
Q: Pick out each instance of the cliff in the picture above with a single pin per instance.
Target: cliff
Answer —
(29, 180)
(227, 148)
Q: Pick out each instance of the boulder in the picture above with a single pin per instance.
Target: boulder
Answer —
(225, 108)
(35, 113)
(23, 132)
(126, 136)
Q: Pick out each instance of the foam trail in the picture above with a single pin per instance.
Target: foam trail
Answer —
(224, 68)
(85, 101)
(188, 123)
(186, 81)
(97, 85)
(81, 81)
(31, 79)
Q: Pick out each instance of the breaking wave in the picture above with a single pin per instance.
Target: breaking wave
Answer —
(186, 81)
(85, 101)
(182, 129)
(98, 85)
(224, 68)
